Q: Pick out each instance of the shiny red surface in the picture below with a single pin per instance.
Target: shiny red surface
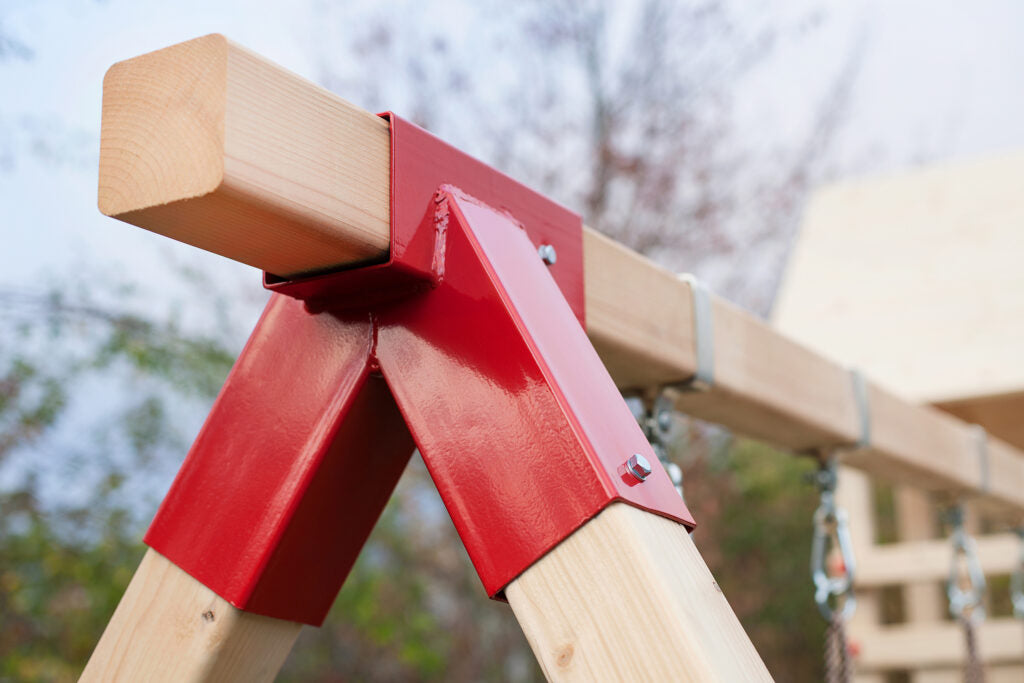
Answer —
(297, 458)
(519, 423)
(420, 163)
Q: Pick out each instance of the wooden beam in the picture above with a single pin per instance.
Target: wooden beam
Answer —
(917, 520)
(905, 647)
(769, 387)
(215, 146)
(929, 561)
(1005, 673)
(210, 144)
(170, 627)
(628, 598)
(1000, 414)
(929, 449)
(911, 272)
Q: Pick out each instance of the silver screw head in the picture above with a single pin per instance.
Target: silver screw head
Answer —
(638, 466)
(547, 254)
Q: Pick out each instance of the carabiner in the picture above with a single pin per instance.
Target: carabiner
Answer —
(831, 530)
(965, 601)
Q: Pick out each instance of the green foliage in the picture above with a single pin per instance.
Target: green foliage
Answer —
(754, 507)
(65, 560)
(55, 595)
(412, 608)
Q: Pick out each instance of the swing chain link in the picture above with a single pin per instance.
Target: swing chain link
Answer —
(658, 424)
(965, 601)
(1017, 579)
(831, 530)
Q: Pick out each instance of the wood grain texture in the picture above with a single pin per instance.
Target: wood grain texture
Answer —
(212, 145)
(932, 257)
(931, 450)
(769, 387)
(639, 315)
(627, 597)
(170, 627)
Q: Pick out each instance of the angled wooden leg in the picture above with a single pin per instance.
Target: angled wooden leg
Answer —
(628, 598)
(170, 627)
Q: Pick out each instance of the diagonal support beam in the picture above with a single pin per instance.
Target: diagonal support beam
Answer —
(521, 428)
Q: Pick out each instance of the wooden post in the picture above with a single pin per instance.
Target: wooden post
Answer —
(628, 598)
(218, 175)
(210, 144)
(855, 496)
(170, 627)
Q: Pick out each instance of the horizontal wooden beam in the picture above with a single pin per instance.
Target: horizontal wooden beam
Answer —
(937, 645)
(929, 561)
(210, 144)
(215, 146)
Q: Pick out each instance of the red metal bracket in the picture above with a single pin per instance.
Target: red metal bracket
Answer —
(485, 361)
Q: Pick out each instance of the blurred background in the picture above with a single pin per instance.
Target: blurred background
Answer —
(691, 131)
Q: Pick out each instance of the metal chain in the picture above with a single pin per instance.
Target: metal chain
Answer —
(657, 423)
(966, 591)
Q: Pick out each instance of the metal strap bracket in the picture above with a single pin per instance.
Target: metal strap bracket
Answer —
(860, 397)
(703, 337)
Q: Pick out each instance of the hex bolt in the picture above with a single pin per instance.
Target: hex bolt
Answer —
(638, 466)
(547, 254)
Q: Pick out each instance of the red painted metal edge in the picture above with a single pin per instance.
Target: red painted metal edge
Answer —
(286, 479)
(518, 421)
(420, 163)
(482, 349)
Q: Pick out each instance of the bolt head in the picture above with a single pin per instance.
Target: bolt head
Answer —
(638, 466)
(547, 254)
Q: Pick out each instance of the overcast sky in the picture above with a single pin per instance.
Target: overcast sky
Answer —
(938, 81)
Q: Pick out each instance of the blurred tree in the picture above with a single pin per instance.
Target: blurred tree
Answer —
(625, 112)
(76, 488)
(621, 110)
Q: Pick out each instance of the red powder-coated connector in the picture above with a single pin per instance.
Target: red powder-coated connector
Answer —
(465, 343)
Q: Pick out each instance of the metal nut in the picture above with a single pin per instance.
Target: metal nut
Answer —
(638, 466)
(547, 254)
